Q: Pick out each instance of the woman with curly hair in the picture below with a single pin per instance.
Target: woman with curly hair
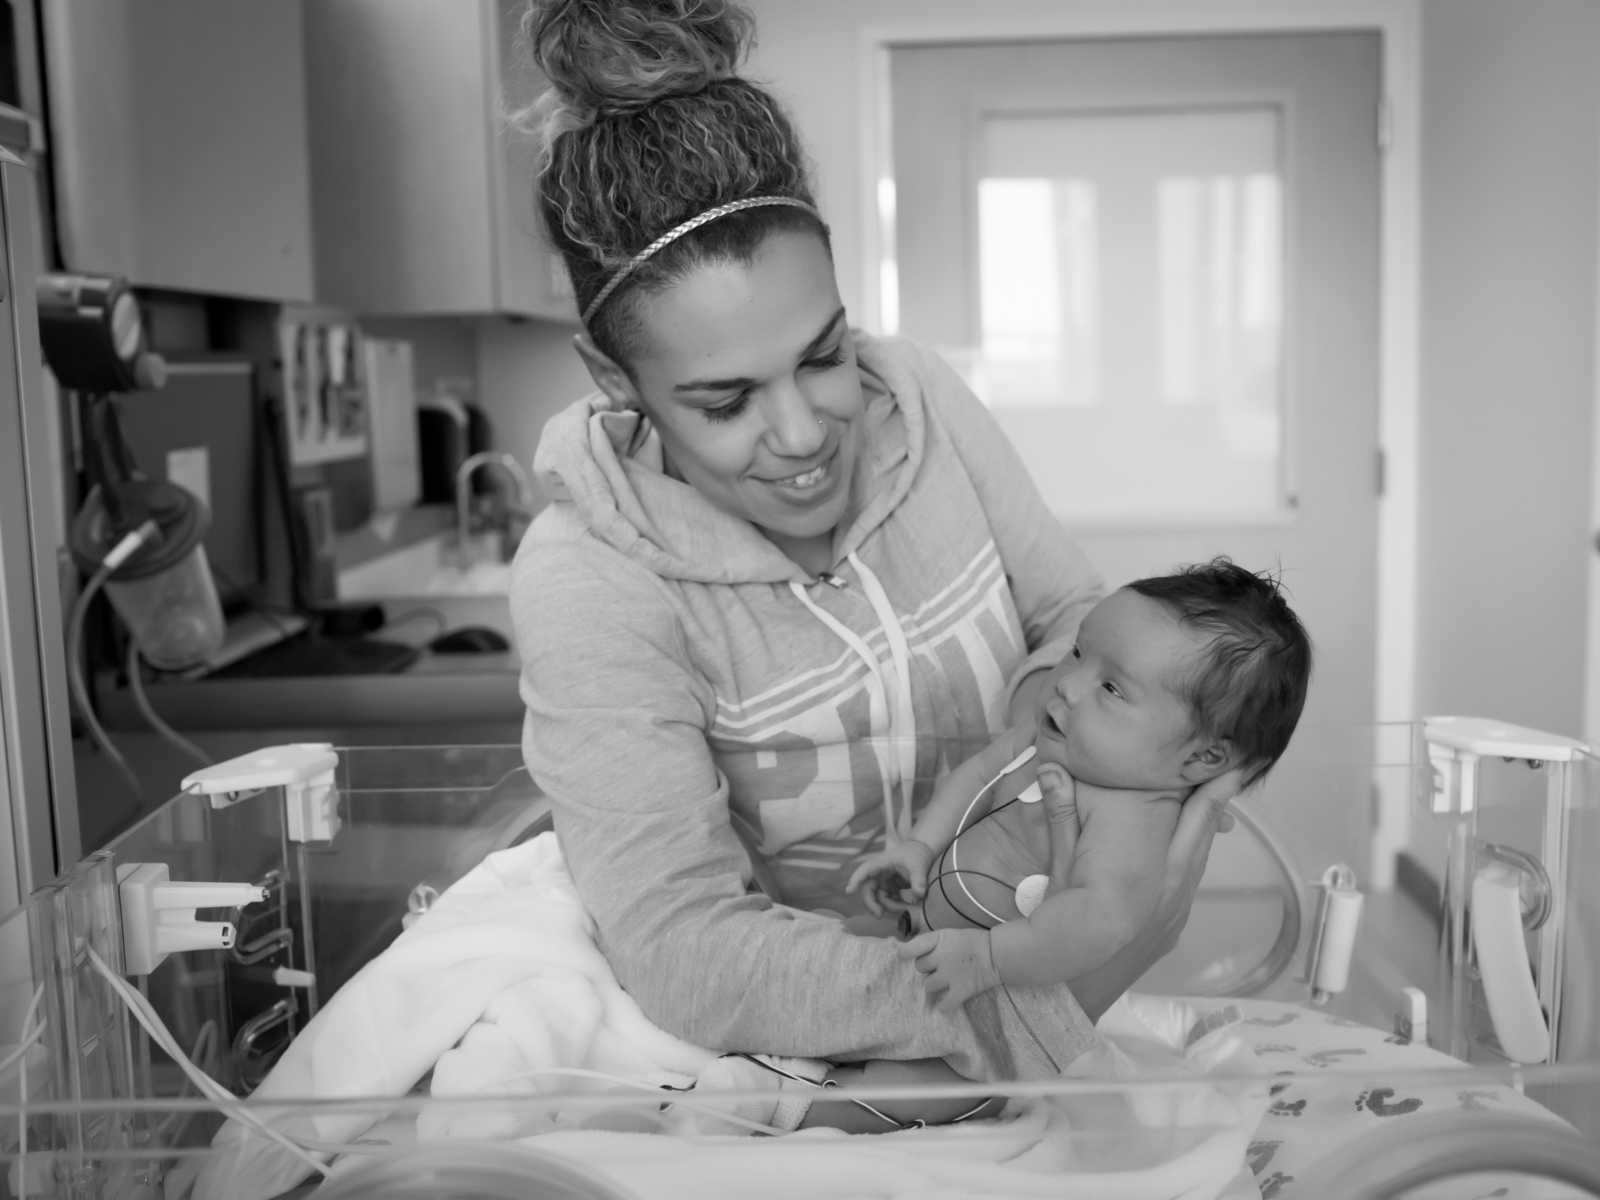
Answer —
(791, 574)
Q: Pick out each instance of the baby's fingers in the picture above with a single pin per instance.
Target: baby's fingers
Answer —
(922, 944)
(917, 881)
(868, 868)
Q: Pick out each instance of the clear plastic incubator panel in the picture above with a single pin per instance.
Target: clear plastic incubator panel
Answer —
(363, 972)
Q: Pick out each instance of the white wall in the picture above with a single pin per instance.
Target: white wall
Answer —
(1510, 197)
(1511, 134)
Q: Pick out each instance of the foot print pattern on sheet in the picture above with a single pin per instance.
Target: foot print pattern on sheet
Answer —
(1327, 1058)
(1284, 1108)
(1260, 1155)
(1273, 1022)
(1377, 1103)
(1272, 1183)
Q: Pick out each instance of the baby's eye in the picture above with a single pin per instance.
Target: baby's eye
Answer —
(1076, 653)
(1112, 688)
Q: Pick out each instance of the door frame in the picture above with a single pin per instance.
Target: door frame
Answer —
(1398, 25)
(1591, 688)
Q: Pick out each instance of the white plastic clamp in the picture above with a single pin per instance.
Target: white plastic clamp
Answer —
(304, 770)
(158, 915)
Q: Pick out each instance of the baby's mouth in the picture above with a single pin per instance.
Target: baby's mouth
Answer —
(1054, 721)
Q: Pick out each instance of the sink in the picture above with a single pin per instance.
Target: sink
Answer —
(480, 579)
(446, 610)
(435, 567)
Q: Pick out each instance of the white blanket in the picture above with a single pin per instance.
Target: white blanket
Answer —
(499, 987)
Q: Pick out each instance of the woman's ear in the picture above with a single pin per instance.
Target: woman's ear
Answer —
(608, 376)
(1207, 762)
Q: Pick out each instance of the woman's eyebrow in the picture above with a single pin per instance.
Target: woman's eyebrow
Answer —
(740, 382)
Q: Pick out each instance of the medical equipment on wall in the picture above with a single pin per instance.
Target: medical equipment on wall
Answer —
(1519, 984)
(139, 539)
(341, 844)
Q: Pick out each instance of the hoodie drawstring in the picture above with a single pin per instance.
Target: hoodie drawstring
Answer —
(903, 716)
(896, 759)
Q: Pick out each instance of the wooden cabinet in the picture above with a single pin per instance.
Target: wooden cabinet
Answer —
(177, 134)
(423, 196)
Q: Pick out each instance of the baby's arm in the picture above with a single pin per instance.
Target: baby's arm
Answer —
(940, 820)
(1118, 869)
(897, 875)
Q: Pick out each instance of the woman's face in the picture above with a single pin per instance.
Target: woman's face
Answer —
(748, 371)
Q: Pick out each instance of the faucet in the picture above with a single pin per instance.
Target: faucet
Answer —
(519, 511)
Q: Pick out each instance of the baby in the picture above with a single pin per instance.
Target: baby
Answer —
(1173, 681)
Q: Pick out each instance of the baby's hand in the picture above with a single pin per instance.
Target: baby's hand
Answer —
(896, 876)
(955, 963)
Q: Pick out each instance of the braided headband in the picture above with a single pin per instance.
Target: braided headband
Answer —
(677, 231)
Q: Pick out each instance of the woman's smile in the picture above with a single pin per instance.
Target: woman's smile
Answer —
(809, 485)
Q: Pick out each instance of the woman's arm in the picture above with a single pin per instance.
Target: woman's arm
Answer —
(616, 735)
(962, 791)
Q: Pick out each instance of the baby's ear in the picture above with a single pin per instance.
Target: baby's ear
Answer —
(1208, 761)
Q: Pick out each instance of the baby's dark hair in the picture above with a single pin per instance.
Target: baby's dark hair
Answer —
(647, 124)
(1251, 684)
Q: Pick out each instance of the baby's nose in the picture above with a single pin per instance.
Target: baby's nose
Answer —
(1073, 686)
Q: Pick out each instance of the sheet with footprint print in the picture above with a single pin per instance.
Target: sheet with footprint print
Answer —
(1343, 1079)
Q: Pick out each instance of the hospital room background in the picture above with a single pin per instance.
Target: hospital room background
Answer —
(1335, 264)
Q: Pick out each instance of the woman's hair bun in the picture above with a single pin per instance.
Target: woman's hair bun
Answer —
(609, 57)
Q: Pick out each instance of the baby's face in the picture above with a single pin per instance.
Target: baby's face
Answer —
(1112, 714)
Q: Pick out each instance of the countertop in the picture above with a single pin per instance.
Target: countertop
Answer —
(476, 690)
(437, 689)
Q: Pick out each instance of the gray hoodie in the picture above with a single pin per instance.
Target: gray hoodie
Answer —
(722, 735)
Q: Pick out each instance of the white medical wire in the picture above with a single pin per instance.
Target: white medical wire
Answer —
(299, 1146)
(955, 867)
(678, 1097)
(25, 1041)
(209, 1087)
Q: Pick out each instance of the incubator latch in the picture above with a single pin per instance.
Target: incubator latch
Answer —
(304, 770)
(1456, 744)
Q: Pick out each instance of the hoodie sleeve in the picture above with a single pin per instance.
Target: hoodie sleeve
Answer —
(616, 735)
(1052, 582)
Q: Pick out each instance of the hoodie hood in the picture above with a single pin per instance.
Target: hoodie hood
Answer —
(630, 503)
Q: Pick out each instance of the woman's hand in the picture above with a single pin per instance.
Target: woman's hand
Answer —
(1204, 814)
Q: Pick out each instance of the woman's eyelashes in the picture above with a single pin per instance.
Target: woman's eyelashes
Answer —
(729, 410)
(735, 405)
